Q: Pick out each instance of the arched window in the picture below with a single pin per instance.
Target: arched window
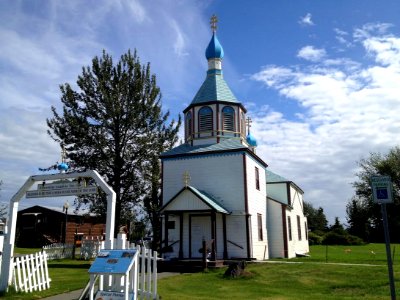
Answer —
(189, 128)
(205, 119)
(228, 118)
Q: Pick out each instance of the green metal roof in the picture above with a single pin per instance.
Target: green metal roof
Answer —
(214, 88)
(227, 144)
(272, 177)
(209, 200)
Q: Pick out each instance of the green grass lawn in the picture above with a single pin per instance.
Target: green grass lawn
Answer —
(301, 278)
(282, 281)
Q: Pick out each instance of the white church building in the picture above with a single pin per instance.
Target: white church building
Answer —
(216, 188)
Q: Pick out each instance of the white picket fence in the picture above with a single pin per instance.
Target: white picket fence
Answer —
(90, 247)
(147, 264)
(31, 272)
(58, 251)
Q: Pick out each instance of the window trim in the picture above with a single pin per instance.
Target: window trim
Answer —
(189, 126)
(289, 228)
(257, 178)
(231, 114)
(260, 227)
(299, 227)
(211, 123)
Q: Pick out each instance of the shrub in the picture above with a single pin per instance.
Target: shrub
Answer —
(335, 238)
(314, 238)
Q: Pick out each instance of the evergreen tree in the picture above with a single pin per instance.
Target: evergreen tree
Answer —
(316, 219)
(114, 124)
(362, 212)
(358, 218)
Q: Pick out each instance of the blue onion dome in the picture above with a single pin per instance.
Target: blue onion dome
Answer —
(251, 140)
(62, 166)
(214, 48)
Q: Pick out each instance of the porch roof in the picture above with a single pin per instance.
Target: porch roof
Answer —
(204, 197)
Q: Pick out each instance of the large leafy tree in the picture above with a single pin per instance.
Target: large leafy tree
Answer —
(316, 219)
(362, 213)
(114, 123)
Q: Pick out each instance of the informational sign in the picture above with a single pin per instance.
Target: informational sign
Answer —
(59, 185)
(382, 189)
(113, 261)
(105, 295)
(69, 191)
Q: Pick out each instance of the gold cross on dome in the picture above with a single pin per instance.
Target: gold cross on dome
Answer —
(186, 178)
(213, 22)
(63, 153)
(248, 123)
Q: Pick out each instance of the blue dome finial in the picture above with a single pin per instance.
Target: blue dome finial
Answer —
(251, 140)
(214, 49)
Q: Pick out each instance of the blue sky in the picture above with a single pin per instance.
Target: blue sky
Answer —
(320, 79)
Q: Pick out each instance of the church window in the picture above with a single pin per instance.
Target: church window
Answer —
(289, 224)
(257, 178)
(299, 227)
(189, 128)
(205, 119)
(260, 228)
(306, 230)
(228, 118)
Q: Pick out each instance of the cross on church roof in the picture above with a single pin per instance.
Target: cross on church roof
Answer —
(248, 123)
(186, 178)
(213, 22)
(63, 153)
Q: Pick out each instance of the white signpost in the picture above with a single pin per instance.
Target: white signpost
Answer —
(382, 194)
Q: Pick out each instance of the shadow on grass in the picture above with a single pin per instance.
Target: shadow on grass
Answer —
(68, 266)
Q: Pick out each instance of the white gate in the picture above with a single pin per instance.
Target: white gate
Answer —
(31, 272)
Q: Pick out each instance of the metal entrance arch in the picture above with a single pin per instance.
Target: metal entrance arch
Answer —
(6, 266)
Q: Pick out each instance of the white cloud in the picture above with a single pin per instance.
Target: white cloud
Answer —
(47, 45)
(312, 54)
(349, 111)
(306, 20)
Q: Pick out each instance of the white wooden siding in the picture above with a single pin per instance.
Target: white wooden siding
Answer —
(236, 236)
(296, 245)
(257, 205)
(275, 227)
(187, 201)
(219, 175)
(278, 191)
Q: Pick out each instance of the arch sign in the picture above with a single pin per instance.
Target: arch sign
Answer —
(59, 187)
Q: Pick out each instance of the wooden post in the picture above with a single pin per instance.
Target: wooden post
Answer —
(204, 244)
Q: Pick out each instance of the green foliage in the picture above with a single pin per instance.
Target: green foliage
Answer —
(314, 238)
(316, 219)
(340, 238)
(3, 206)
(114, 123)
(364, 216)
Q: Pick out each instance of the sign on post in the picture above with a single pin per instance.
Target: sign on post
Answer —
(382, 189)
(60, 189)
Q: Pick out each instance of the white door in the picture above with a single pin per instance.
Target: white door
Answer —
(200, 230)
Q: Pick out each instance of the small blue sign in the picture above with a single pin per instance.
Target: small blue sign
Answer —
(381, 194)
(113, 261)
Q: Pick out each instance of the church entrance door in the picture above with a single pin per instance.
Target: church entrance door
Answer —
(199, 231)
